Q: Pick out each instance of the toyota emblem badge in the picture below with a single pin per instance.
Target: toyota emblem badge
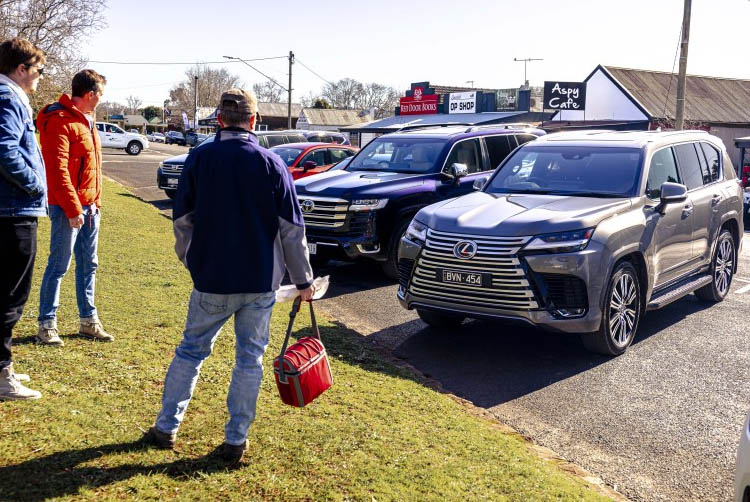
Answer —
(307, 206)
(465, 249)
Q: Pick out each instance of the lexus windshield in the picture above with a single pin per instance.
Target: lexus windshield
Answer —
(399, 155)
(570, 170)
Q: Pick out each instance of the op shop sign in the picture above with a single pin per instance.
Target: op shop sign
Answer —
(419, 103)
(565, 95)
(462, 102)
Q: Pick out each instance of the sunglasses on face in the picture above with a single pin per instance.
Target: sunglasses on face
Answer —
(39, 69)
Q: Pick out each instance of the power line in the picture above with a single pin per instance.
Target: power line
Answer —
(254, 68)
(181, 63)
(313, 72)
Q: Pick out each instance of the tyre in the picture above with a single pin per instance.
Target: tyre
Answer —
(722, 269)
(620, 315)
(390, 266)
(133, 148)
(440, 322)
(318, 261)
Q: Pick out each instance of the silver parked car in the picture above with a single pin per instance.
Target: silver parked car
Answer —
(580, 233)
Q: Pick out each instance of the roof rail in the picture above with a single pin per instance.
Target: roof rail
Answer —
(427, 126)
(509, 125)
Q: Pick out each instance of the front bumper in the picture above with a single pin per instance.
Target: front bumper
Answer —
(346, 247)
(587, 267)
(167, 180)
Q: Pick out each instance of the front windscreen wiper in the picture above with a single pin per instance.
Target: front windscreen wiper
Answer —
(606, 195)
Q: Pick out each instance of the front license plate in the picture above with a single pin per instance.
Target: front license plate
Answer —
(461, 277)
(312, 247)
(172, 181)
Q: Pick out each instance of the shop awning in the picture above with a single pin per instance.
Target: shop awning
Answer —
(390, 124)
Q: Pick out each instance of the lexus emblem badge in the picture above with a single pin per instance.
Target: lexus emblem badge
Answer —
(307, 206)
(465, 250)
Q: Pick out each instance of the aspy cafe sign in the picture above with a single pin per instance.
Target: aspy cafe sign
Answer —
(419, 103)
(565, 95)
(462, 102)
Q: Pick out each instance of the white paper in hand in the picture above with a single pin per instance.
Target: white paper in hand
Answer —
(290, 292)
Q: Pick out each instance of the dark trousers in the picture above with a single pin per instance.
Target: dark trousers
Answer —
(17, 253)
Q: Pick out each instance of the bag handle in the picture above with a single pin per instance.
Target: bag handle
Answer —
(292, 314)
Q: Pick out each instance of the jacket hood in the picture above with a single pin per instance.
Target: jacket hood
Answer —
(64, 104)
(342, 183)
(519, 214)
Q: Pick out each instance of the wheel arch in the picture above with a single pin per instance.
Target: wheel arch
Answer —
(638, 261)
(734, 228)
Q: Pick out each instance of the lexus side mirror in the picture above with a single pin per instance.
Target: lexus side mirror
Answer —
(309, 165)
(671, 193)
(459, 170)
(479, 184)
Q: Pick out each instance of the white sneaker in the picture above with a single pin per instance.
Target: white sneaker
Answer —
(12, 389)
(49, 336)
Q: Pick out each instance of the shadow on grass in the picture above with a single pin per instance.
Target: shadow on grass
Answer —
(61, 475)
(161, 205)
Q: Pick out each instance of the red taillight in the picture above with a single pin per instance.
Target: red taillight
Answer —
(745, 175)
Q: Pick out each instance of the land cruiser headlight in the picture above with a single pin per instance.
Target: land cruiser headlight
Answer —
(561, 242)
(416, 231)
(367, 204)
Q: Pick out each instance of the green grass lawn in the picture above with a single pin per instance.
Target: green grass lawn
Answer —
(376, 435)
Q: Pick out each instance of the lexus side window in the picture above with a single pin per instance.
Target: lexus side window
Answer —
(662, 169)
(690, 168)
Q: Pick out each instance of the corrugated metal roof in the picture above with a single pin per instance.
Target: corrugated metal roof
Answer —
(332, 117)
(399, 121)
(447, 89)
(278, 109)
(707, 99)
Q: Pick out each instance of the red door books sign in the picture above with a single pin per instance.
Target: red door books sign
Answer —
(419, 103)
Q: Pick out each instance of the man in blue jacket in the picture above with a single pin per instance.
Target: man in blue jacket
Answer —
(23, 188)
(238, 228)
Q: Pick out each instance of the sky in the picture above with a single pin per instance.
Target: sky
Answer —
(396, 42)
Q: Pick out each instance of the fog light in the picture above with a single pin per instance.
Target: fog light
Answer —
(569, 313)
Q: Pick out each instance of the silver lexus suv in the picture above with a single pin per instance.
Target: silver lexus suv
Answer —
(580, 233)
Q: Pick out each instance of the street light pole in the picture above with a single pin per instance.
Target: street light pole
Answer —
(526, 60)
(680, 112)
(195, 107)
(289, 105)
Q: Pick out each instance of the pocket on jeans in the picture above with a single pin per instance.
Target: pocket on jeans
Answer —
(212, 304)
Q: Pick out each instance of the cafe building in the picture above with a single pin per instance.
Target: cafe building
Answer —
(629, 99)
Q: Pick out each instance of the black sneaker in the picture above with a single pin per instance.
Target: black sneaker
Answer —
(160, 439)
(233, 453)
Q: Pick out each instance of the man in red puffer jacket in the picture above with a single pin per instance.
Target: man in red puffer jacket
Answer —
(72, 154)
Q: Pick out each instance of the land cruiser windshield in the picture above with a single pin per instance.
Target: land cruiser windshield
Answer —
(399, 155)
(570, 170)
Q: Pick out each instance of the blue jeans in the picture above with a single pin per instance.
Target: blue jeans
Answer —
(64, 242)
(207, 313)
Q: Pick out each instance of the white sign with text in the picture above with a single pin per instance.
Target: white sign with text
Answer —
(462, 102)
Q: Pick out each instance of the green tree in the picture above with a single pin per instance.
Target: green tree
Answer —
(150, 112)
(322, 103)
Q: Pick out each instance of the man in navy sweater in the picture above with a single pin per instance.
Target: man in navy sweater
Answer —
(238, 228)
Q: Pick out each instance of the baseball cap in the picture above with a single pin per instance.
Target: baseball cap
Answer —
(238, 100)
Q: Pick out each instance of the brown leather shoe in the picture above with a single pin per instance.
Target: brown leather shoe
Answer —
(232, 452)
(160, 439)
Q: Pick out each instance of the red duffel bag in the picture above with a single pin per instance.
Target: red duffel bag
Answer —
(302, 371)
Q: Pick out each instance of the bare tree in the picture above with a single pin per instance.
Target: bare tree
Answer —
(380, 97)
(211, 83)
(349, 93)
(107, 108)
(58, 27)
(344, 93)
(134, 103)
(268, 92)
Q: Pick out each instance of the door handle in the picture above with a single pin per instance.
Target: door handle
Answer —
(715, 199)
(687, 210)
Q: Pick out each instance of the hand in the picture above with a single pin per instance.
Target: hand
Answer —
(307, 293)
(76, 221)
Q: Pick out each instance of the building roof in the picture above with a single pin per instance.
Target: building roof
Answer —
(333, 117)
(135, 120)
(278, 109)
(447, 89)
(398, 121)
(707, 99)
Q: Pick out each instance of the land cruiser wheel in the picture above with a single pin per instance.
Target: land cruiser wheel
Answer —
(621, 313)
(390, 266)
(440, 322)
(134, 148)
(722, 269)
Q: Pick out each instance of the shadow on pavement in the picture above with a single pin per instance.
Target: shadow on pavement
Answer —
(352, 277)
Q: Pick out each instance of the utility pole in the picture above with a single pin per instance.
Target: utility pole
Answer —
(470, 82)
(195, 107)
(680, 112)
(526, 60)
(289, 105)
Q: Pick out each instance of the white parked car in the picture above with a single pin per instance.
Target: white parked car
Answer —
(112, 136)
(156, 137)
(742, 474)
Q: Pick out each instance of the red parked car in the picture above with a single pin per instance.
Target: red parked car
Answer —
(306, 159)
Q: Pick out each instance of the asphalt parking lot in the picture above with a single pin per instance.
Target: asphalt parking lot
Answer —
(661, 422)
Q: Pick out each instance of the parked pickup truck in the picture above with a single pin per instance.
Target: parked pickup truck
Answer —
(112, 136)
(365, 208)
(581, 233)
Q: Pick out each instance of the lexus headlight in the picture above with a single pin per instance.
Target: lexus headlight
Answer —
(416, 232)
(561, 242)
(367, 204)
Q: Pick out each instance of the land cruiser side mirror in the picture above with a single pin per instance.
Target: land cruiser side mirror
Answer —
(309, 164)
(479, 184)
(459, 170)
(671, 193)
